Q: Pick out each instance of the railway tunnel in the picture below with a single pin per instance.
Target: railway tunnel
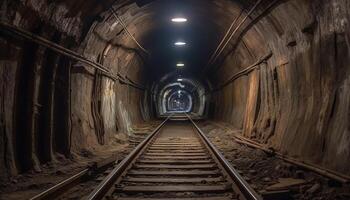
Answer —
(267, 82)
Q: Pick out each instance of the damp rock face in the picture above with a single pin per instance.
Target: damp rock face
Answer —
(53, 105)
(294, 99)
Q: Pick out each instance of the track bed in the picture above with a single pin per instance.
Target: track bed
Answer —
(175, 163)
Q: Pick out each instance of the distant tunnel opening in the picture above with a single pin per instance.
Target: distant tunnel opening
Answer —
(179, 101)
(177, 94)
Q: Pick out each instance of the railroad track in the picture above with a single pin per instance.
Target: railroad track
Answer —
(175, 162)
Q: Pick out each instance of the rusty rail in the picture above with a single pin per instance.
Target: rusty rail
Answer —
(85, 174)
(61, 187)
(240, 186)
(245, 188)
(104, 186)
(56, 189)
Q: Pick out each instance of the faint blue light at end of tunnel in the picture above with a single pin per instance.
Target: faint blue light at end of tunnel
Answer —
(180, 43)
(179, 20)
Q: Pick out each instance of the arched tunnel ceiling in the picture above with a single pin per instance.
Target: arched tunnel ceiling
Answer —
(150, 23)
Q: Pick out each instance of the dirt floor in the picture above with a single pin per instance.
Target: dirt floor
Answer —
(27, 185)
(264, 172)
(268, 174)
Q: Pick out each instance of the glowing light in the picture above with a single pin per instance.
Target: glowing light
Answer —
(180, 43)
(179, 20)
(179, 79)
(180, 65)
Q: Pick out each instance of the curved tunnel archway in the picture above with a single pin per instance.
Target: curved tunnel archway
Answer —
(77, 76)
(178, 101)
(193, 89)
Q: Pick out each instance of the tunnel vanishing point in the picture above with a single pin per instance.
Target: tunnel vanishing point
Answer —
(267, 82)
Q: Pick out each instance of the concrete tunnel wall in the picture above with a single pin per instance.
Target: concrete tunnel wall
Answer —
(296, 102)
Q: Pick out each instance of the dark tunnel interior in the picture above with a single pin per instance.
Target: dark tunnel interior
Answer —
(268, 82)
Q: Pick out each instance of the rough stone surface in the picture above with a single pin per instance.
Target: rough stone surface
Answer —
(297, 102)
(47, 105)
(270, 173)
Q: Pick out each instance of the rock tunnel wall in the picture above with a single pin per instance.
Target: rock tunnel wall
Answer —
(53, 106)
(298, 101)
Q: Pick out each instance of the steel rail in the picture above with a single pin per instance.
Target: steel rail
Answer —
(84, 175)
(56, 189)
(245, 188)
(106, 184)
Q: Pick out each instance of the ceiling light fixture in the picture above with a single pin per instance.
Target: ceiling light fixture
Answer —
(180, 43)
(179, 79)
(179, 20)
(180, 65)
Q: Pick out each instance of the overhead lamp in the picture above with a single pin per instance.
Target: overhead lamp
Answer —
(180, 43)
(179, 79)
(180, 65)
(179, 20)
